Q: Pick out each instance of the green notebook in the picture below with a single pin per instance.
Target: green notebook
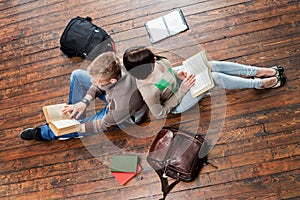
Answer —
(124, 163)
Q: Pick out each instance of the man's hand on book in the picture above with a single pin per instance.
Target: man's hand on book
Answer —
(76, 110)
(187, 83)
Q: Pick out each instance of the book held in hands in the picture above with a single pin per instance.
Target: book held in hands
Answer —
(166, 26)
(60, 123)
(199, 66)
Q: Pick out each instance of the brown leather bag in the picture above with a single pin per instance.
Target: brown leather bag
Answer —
(177, 154)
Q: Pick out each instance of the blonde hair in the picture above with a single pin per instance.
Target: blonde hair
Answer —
(106, 65)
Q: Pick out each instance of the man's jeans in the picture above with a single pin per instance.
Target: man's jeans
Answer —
(80, 82)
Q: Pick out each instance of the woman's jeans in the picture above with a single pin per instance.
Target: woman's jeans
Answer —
(80, 82)
(225, 75)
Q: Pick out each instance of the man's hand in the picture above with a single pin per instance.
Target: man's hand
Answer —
(75, 109)
(187, 83)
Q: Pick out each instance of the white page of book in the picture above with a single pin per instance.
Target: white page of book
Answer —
(202, 79)
(174, 22)
(198, 66)
(157, 29)
(55, 112)
(65, 123)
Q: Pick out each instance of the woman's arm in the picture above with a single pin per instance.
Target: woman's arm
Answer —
(153, 99)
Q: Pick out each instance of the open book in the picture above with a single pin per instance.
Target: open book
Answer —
(59, 123)
(166, 26)
(198, 65)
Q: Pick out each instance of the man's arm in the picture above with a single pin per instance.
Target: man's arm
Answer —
(115, 116)
(78, 108)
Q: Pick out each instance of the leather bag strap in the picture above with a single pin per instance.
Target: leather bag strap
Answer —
(165, 187)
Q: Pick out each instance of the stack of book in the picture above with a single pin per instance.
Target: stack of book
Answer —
(125, 167)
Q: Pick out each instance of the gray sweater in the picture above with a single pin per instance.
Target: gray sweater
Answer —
(160, 89)
(124, 102)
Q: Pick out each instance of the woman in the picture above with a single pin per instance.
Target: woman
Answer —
(166, 89)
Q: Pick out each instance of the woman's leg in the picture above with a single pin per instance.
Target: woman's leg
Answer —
(237, 69)
(234, 82)
(186, 103)
(227, 75)
(231, 68)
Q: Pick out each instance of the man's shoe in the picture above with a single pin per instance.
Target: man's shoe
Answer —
(31, 134)
(67, 138)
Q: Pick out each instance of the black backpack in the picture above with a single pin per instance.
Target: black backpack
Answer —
(82, 38)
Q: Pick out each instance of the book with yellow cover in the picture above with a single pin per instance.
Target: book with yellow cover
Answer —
(60, 123)
(199, 66)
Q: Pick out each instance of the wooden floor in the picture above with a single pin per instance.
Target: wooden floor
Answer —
(257, 131)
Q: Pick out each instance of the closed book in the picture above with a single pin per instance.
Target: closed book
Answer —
(124, 177)
(124, 163)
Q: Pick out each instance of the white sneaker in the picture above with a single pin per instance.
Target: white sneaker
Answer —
(66, 138)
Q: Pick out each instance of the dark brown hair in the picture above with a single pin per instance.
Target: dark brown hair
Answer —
(139, 61)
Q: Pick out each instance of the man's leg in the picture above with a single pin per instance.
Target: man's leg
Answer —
(79, 84)
(44, 133)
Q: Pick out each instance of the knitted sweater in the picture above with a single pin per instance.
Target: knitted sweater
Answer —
(124, 101)
(160, 89)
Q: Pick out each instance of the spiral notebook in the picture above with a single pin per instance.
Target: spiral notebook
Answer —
(166, 26)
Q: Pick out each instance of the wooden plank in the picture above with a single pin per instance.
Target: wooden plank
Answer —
(261, 140)
(10, 4)
(265, 187)
(289, 186)
(217, 31)
(153, 188)
(258, 147)
(59, 12)
(222, 165)
(144, 30)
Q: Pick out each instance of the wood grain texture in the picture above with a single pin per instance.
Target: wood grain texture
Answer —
(256, 132)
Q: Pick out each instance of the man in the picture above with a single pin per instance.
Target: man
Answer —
(107, 79)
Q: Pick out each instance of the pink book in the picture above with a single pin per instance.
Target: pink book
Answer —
(124, 177)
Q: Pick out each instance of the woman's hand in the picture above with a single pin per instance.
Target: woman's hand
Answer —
(181, 74)
(75, 109)
(187, 83)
